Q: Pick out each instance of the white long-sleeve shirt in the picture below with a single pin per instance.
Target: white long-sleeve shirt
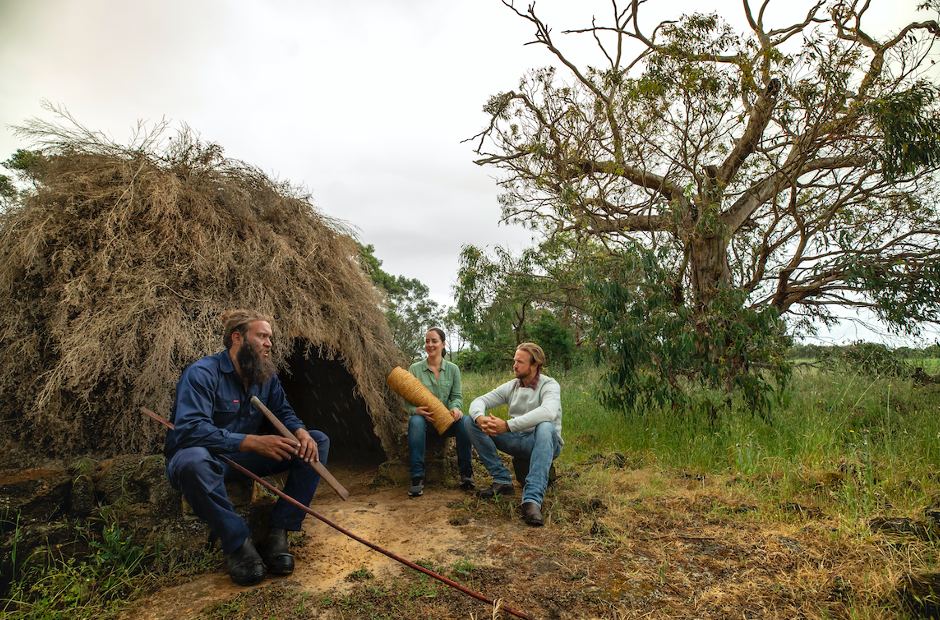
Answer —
(528, 406)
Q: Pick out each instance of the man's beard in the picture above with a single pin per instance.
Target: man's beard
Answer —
(254, 366)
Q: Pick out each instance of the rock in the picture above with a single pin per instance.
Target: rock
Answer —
(133, 479)
(398, 472)
(902, 526)
(29, 545)
(33, 494)
(82, 496)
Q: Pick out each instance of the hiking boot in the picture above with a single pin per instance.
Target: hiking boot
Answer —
(497, 488)
(532, 514)
(275, 554)
(244, 565)
(467, 483)
(417, 487)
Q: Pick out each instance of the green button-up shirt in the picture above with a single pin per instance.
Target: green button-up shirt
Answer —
(446, 387)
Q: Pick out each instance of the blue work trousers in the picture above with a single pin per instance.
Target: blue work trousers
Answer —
(541, 446)
(418, 429)
(201, 476)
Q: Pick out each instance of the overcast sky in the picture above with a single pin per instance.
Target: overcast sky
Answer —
(365, 102)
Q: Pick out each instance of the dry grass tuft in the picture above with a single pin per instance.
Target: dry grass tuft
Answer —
(115, 270)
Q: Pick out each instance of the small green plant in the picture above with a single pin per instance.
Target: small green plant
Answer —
(113, 573)
(463, 567)
(361, 574)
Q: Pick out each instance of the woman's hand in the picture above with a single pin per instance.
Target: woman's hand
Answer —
(425, 413)
(457, 413)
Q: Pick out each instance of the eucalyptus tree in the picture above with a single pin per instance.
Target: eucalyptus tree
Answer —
(502, 296)
(734, 176)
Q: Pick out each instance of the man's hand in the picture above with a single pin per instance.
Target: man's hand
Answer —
(491, 425)
(272, 446)
(457, 414)
(308, 447)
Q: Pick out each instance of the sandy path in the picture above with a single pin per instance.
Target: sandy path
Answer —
(413, 528)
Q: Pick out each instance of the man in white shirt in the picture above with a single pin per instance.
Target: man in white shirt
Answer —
(533, 430)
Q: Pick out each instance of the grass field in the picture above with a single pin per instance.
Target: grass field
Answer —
(777, 512)
(824, 419)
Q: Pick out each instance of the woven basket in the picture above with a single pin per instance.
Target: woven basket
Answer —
(408, 387)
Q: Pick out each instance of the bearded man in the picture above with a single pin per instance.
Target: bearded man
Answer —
(213, 415)
(533, 431)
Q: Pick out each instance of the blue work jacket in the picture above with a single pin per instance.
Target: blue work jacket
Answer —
(212, 410)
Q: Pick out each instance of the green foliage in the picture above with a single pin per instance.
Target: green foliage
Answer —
(409, 310)
(826, 420)
(910, 124)
(871, 359)
(906, 292)
(7, 189)
(659, 350)
(25, 162)
(506, 299)
(410, 314)
(555, 340)
(774, 172)
(373, 266)
(72, 587)
(27, 166)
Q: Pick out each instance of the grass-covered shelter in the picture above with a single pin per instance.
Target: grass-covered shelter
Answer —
(115, 264)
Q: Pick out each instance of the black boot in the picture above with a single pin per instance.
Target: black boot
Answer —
(274, 552)
(244, 565)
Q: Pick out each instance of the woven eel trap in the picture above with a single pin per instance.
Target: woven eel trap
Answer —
(408, 387)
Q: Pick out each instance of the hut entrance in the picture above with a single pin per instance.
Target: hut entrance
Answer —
(323, 394)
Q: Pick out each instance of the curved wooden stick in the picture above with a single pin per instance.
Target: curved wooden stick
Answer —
(317, 465)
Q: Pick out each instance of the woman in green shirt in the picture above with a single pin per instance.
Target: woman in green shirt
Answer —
(442, 378)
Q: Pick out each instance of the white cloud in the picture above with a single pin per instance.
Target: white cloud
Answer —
(365, 102)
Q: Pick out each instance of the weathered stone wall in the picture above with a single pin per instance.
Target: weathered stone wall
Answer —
(62, 510)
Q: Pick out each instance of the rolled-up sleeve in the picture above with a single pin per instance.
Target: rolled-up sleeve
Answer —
(499, 396)
(455, 398)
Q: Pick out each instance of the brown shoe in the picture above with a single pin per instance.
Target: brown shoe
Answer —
(497, 488)
(532, 514)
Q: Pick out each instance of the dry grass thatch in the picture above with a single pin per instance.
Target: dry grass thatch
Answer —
(115, 269)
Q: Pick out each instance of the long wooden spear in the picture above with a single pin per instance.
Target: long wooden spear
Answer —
(336, 526)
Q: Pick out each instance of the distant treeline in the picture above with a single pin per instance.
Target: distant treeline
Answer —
(818, 352)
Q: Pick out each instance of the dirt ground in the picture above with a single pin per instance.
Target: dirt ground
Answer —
(667, 546)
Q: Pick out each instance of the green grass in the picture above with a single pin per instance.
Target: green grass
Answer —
(879, 437)
(100, 584)
(885, 432)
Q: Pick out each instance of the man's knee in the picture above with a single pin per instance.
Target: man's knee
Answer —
(193, 467)
(323, 444)
(546, 429)
(472, 429)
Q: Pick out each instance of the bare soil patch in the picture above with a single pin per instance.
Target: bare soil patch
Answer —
(660, 546)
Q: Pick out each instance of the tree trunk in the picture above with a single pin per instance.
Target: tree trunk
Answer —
(709, 264)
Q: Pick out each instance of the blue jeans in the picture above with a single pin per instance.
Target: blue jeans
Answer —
(418, 429)
(541, 446)
(201, 476)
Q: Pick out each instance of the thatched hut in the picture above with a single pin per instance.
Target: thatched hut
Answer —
(114, 270)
